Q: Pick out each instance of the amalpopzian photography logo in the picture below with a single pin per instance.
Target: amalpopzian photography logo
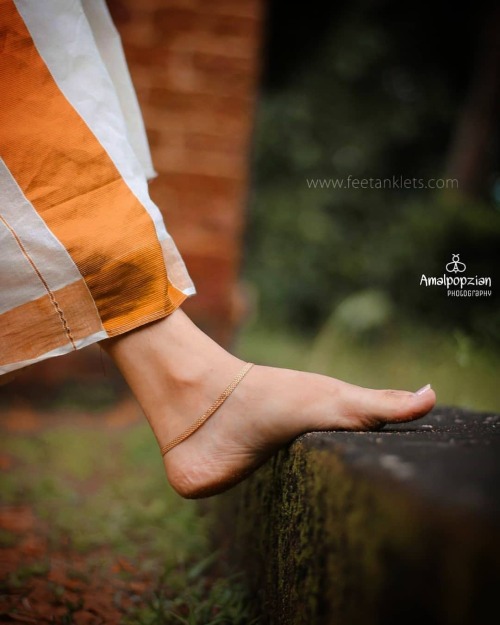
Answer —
(456, 266)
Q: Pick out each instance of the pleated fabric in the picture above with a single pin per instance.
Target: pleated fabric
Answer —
(84, 252)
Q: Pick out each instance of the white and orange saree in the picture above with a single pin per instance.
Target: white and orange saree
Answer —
(84, 252)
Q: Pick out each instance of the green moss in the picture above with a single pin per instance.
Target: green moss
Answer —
(327, 545)
(275, 524)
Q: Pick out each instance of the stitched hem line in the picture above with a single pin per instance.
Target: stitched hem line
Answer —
(56, 306)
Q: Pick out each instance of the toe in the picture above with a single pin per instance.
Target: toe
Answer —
(371, 409)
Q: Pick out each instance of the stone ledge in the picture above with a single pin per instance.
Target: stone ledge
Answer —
(374, 528)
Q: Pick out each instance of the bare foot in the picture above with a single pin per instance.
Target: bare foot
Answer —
(176, 372)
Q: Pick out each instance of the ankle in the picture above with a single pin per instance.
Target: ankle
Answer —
(172, 368)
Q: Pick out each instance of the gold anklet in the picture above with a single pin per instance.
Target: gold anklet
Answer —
(217, 403)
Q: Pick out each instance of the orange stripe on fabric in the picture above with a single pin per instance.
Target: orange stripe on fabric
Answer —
(75, 187)
(34, 328)
(55, 304)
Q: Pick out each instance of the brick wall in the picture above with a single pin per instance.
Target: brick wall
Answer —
(195, 66)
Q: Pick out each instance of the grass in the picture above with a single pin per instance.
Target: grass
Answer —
(223, 602)
(103, 492)
(99, 491)
(461, 372)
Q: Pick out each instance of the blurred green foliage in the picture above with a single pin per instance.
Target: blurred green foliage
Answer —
(374, 100)
(462, 372)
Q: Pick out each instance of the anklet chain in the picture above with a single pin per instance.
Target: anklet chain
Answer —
(217, 403)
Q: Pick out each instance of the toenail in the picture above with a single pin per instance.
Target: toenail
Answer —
(423, 390)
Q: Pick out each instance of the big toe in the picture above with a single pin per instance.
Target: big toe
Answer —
(375, 408)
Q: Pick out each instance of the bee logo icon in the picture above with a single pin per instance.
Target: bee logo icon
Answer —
(455, 266)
